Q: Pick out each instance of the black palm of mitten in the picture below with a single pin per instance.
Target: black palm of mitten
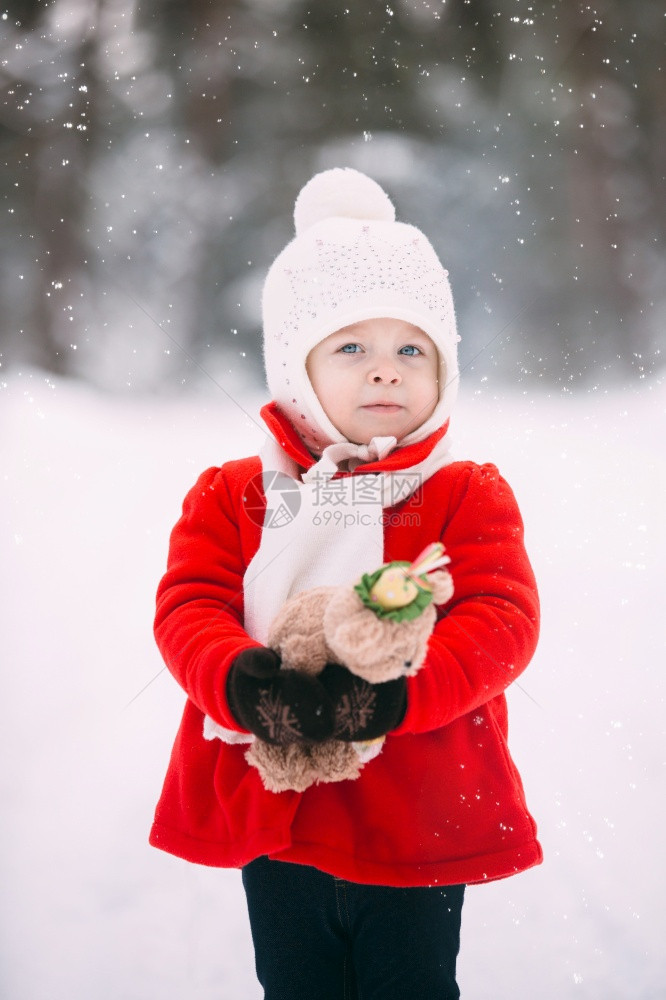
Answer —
(278, 706)
(363, 711)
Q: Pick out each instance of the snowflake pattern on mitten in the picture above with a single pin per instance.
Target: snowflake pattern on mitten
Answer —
(280, 722)
(355, 710)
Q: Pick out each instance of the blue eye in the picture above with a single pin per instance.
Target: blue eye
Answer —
(412, 349)
(345, 348)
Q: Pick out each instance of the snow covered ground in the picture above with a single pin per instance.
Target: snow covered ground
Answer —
(91, 485)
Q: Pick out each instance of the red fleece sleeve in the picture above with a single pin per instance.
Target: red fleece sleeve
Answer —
(198, 623)
(488, 633)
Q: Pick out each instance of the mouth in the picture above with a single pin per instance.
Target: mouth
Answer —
(382, 407)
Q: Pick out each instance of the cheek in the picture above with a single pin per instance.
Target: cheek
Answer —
(332, 391)
(322, 380)
(430, 393)
(312, 369)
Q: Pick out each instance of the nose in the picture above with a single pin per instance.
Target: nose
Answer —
(384, 373)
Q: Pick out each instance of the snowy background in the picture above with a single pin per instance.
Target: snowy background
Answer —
(151, 155)
(91, 485)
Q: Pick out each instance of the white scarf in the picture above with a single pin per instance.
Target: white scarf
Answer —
(320, 531)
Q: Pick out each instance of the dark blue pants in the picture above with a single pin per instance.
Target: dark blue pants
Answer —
(317, 937)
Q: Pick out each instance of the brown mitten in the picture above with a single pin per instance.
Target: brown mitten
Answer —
(363, 711)
(278, 706)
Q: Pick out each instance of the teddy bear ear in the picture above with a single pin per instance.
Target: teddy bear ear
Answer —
(441, 582)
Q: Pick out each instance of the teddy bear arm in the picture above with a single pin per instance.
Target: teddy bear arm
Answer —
(441, 582)
(377, 649)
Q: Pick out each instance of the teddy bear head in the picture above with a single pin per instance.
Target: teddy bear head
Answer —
(376, 649)
(297, 632)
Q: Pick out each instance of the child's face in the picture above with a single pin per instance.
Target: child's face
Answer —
(376, 377)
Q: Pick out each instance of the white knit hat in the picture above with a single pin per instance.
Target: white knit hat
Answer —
(350, 261)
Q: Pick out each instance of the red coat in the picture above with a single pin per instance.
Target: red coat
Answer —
(443, 803)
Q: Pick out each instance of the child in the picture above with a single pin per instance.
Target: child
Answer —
(354, 888)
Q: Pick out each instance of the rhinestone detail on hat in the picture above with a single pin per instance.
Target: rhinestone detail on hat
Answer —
(341, 273)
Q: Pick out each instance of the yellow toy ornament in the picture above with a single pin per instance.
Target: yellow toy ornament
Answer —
(400, 590)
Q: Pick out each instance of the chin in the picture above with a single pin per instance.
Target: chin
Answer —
(388, 428)
(382, 432)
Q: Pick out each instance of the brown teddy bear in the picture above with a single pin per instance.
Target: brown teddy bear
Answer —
(378, 629)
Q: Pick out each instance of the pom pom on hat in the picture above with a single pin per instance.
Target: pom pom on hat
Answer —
(341, 193)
